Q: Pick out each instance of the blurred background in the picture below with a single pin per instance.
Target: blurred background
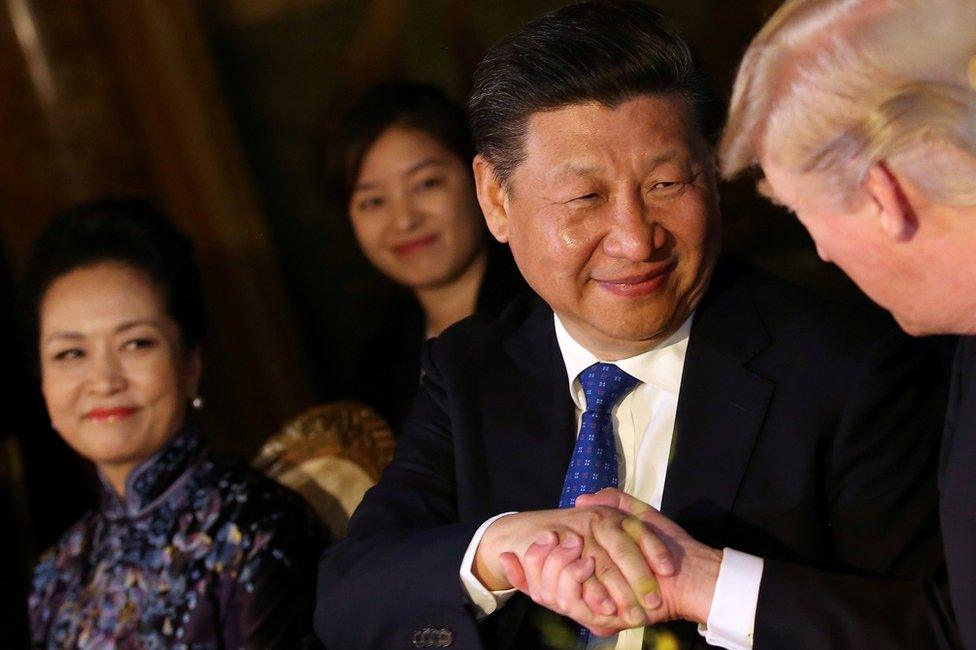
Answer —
(219, 109)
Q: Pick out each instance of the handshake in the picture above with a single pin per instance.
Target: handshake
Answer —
(610, 563)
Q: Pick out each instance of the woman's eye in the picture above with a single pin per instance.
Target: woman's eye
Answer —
(68, 355)
(139, 344)
(430, 183)
(369, 203)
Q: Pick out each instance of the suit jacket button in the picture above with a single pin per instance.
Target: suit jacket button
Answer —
(432, 637)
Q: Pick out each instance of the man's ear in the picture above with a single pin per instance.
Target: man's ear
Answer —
(898, 218)
(491, 196)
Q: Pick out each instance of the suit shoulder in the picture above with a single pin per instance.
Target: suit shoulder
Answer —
(788, 308)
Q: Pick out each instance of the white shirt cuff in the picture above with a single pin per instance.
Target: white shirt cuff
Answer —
(732, 617)
(485, 601)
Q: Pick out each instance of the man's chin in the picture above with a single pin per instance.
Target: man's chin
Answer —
(912, 326)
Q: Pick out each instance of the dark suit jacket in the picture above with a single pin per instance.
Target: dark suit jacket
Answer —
(387, 373)
(805, 434)
(957, 488)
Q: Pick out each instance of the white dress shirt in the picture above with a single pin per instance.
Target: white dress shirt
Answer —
(643, 423)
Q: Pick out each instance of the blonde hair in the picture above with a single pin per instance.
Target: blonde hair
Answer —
(835, 86)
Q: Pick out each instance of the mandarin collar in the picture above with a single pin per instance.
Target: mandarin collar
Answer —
(155, 478)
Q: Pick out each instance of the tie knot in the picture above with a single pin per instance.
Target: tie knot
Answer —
(605, 384)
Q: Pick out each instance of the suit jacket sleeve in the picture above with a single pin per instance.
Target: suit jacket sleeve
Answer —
(397, 572)
(879, 482)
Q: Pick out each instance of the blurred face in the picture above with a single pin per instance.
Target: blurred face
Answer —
(612, 218)
(414, 211)
(114, 376)
(854, 239)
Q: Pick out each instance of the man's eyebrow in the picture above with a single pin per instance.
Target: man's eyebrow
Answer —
(668, 155)
(571, 169)
(431, 161)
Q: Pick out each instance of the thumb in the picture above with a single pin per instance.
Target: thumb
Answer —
(514, 571)
(610, 497)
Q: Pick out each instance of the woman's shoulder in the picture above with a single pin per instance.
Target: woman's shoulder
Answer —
(244, 504)
(73, 542)
(62, 559)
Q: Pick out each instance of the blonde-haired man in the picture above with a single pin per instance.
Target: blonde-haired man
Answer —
(862, 115)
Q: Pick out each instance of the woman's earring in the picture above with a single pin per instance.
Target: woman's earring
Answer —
(197, 403)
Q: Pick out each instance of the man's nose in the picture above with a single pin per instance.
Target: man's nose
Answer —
(634, 235)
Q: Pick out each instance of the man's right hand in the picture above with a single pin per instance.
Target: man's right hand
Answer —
(572, 545)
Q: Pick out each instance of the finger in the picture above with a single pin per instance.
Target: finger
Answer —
(655, 551)
(533, 561)
(621, 591)
(570, 548)
(568, 588)
(571, 602)
(609, 497)
(597, 598)
(629, 567)
(513, 570)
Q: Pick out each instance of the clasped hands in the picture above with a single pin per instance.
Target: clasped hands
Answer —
(610, 563)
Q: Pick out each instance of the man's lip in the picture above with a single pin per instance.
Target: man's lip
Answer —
(637, 285)
(415, 245)
(110, 414)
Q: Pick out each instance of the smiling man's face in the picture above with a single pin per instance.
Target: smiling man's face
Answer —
(612, 217)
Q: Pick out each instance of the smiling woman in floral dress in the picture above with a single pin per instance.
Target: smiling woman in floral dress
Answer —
(187, 549)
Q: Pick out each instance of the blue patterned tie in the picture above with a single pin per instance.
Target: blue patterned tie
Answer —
(594, 463)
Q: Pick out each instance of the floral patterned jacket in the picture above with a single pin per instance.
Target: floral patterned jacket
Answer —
(202, 553)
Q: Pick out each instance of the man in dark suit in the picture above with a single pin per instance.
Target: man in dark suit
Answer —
(788, 437)
(870, 139)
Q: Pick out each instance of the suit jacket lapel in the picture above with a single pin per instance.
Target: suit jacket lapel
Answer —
(721, 405)
(538, 441)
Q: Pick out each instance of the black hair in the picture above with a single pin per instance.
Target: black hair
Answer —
(606, 51)
(130, 232)
(405, 104)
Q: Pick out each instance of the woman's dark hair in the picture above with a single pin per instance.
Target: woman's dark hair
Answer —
(606, 51)
(130, 232)
(404, 104)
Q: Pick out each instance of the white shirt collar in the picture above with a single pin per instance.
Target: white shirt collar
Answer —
(660, 366)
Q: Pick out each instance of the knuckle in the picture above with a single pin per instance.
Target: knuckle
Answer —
(563, 603)
(621, 548)
(605, 570)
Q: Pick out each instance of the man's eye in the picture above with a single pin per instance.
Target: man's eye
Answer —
(664, 186)
(68, 355)
(591, 196)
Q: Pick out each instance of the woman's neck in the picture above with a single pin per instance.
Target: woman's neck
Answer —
(117, 474)
(447, 303)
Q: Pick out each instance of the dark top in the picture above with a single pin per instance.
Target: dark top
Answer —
(202, 553)
(957, 489)
(806, 433)
(387, 374)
